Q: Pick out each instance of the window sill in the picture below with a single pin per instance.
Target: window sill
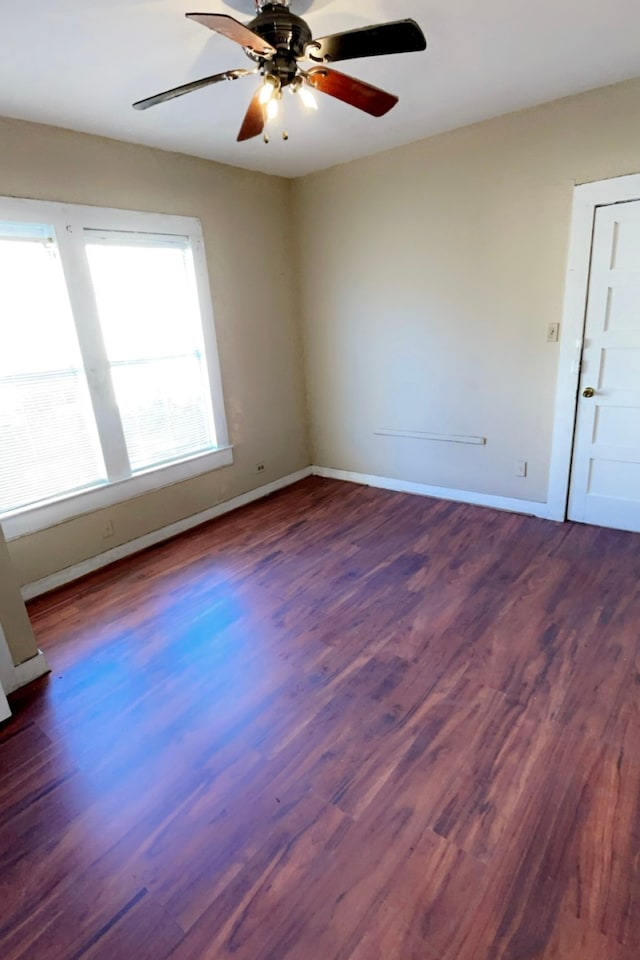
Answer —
(28, 520)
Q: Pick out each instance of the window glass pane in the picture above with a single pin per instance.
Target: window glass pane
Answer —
(163, 409)
(150, 318)
(38, 332)
(48, 442)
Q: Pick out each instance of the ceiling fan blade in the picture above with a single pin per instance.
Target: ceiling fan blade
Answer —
(253, 123)
(358, 94)
(190, 87)
(400, 36)
(234, 30)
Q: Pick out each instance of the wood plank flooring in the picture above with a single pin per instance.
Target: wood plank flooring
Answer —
(340, 724)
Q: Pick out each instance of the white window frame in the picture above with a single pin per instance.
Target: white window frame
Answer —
(69, 221)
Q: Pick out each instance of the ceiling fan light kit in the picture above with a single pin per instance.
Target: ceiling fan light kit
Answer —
(278, 42)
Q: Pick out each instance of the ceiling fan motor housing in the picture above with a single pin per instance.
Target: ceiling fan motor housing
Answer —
(289, 34)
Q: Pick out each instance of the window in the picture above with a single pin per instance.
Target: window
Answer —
(48, 439)
(109, 379)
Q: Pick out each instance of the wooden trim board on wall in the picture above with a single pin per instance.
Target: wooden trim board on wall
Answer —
(13, 677)
(38, 587)
(37, 666)
(7, 672)
(510, 504)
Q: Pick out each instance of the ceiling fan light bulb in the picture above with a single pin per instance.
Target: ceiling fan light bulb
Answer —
(308, 99)
(267, 90)
(273, 109)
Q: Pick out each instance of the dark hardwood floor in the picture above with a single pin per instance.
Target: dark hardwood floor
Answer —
(340, 724)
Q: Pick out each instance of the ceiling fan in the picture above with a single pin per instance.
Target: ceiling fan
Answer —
(278, 42)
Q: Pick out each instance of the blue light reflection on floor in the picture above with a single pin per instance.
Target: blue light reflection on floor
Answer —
(213, 644)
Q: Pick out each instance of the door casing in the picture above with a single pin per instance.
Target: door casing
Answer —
(587, 198)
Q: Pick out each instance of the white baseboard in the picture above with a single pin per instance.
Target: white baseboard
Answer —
(58, 579)
(5, 709)
(512, 505)
(29, 670)
(7, 673)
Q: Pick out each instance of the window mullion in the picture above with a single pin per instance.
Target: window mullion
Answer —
(94, 355)
(210, 341)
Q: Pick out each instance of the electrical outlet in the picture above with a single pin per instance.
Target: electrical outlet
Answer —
(107, 529)
(521, 468)
(553, 332)
(260, 468)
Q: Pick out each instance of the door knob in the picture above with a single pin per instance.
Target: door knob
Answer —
(588, 392)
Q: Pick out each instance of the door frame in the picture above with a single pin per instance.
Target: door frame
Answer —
(586, 200)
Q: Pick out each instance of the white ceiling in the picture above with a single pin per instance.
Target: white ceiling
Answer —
(80, 65)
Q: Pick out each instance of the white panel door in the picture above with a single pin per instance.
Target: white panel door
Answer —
(605, 479)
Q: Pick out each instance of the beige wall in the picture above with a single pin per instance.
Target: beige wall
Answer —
(13, 615)
(429, 275)
(246, 218)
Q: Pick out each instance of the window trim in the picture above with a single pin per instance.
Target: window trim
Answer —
(69, 222)
(20, 523)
